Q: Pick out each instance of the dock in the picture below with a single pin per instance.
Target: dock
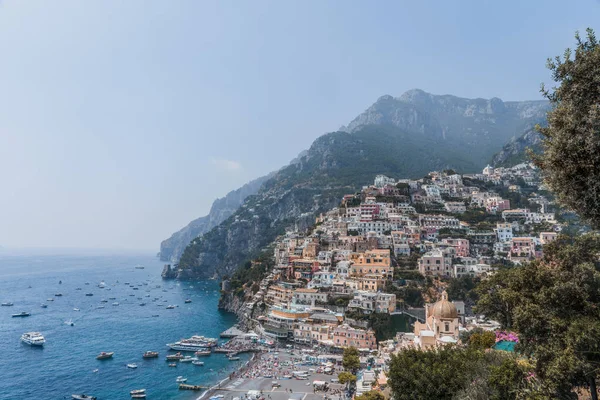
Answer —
(183, 386)
(232, 332)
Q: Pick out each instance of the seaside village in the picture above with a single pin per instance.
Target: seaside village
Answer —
(389, 252)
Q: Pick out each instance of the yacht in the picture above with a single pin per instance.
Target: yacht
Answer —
(21, 314)
(105, 355)
(33, 339)
(7, 304)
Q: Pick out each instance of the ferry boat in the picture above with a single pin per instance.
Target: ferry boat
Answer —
(150, 354)
(195, 343)
(105, 355)
(21, 314)
(33, 339)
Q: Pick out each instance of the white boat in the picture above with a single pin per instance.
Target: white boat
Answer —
(70, 322)
(7, 304)
(33, 339)
(102, 285)
(198, 363)
(203, 353)
(233, 358)
(76, 309)
(170, 307)
(44, 305)
(137, 391)
(181, 379)
(115, 303)
(82, 397)
(187, 359)
(132, 366)
(138, 396)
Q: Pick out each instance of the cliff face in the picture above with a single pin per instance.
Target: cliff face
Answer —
(480, 125)
(172, 248)
(515, 151)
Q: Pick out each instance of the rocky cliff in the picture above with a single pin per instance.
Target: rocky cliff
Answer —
(515, 151)
(172, 248)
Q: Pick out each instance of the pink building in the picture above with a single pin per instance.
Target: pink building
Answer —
(461, 246)
(345, 336)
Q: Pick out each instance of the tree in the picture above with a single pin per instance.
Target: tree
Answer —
(351, 360)
(571, 157)
(371, 395)
(554, 305)
(346, 377)
(482, 340)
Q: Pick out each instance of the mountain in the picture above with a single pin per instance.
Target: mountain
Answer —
(515, 151)
(477, 126)
(172, 248)
(400, 137)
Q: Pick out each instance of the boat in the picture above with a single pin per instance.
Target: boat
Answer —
(181, 379)
(82, 397)
(58, 294)
(112, 298)
(150, 354)
(198, 363)
(89, 294)
(200, 353)
(187, 359)
(174, 357)
(103, 301)
(21, 314)
(33, 339)
(137, 391)
(44, 305)
(183, 386)
(155, 315)
(60, 282)
(142, 304)
(70, 322)
(187, 301)
(78, 288)
(195, 343)
(76, 309)
(138, 396)
(132, 366)
(102, 285)
(170, 307)
(105, 355)
(172, 365)
(115, 303)
(100, 307)
(7, 304)
(233, 358)
(139, 267)
(50, 299)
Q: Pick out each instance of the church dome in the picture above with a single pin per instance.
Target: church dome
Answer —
(444, 308)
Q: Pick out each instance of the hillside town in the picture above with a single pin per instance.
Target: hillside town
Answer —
(329, 286)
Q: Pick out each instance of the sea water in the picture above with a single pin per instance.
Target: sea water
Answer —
(67, 363)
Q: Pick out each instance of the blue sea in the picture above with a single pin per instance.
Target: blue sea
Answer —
(66, 364)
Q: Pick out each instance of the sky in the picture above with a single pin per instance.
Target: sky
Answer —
(121, 121)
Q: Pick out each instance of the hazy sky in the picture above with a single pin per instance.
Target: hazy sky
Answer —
(121, 121)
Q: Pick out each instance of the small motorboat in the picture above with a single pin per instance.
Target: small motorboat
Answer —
(89, 294)
(138, 394)
(95, 371)
(187, 301)
(78, 288)
(198, 363)
(170, 307)
(7, 304)
(103, 301)
(172, 364)
(82, 397)
(70, 322)
(100, 307)
(142, 304)
(150, 354)
(181, 379)
(44, 305)
(116, 303)
(22, 314)
(233, 358)
(174, 357)
(139, 267)
(202, 353)
(76, 309)
(187, 359)
(155, 315)
(132, 366)
(105, 355)
(58, 294)
(50, 299)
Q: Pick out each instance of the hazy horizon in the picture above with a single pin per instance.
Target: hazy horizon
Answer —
(122, 121)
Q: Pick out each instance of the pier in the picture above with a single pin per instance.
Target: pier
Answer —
(232, 332)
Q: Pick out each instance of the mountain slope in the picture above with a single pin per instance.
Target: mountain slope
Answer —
(172, 248)
(336, 164)
(515, 151)
(479, 126)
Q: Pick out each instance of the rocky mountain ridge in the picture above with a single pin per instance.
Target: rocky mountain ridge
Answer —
(515, 151)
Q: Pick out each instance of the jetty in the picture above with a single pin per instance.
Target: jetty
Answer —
(183, 386)
(232, 332)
